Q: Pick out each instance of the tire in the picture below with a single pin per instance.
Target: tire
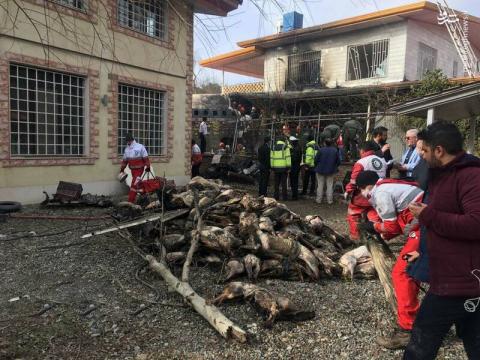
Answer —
(9, 206)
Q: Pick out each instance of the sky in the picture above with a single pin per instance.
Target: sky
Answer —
(214, 35)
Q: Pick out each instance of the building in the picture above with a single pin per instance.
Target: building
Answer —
(306, 69)
(384, 47)
(77, 75)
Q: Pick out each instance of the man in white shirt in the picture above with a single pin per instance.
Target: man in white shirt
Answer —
(203, 131)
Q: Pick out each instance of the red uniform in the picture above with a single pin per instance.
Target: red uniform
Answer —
(359, 205)
(136, 157)
(391, 198)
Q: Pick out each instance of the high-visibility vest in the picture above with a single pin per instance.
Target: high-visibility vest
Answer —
(310, 153)
(280, 156)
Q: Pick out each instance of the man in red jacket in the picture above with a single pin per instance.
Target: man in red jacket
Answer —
(359, 205)
(452, 219)
(391, 198)
(136, 157)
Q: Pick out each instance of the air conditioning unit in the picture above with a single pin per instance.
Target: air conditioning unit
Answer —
(292, 21)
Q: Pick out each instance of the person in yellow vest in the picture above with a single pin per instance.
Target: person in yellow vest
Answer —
(280, 163)
(311, 149)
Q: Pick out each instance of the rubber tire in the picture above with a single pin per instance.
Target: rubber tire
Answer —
(9, 206)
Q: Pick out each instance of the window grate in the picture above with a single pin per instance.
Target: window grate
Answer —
(427, 60)
(142, 113)
(303, 70)
(46, 112)
(368, 60)
(146, 16)
(77, 4)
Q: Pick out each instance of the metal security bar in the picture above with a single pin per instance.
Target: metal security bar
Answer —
(303, 71)
(141, 112)
(146, 16)
(427, 60)
(47, 116)
(368, 60)
(77, 4)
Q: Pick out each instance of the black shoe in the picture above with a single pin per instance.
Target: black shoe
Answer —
(397, 340)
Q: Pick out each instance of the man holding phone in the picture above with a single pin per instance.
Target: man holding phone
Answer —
(452, 221)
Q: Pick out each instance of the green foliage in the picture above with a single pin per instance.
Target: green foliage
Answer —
(208, 88)
(433, 82)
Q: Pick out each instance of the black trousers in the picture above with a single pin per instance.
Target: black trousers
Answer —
(263, 182)
(294, 183)
(436, 316)
(280, 179)
(309, 177)
(195, 170)
(203, 143)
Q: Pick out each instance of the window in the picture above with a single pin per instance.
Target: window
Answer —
(427, 60)
(455, 69)
(141, 112)
(77, 4)
(303, 70)
(46, 112)
(195, 112)
(146, 16)
(368, 60)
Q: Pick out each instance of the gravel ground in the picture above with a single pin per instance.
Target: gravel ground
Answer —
(73, 275)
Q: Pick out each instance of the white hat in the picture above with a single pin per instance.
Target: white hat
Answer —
(293, 138)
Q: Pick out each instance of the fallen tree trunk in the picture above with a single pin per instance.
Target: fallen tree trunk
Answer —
(383, 260)
(219, 322)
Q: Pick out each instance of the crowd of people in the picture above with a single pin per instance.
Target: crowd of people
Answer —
(430, 197)
(433, 204)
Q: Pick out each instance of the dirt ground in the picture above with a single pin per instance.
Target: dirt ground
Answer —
(93, 289)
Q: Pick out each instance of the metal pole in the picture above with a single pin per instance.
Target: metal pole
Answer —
(368, 132)
(317, 134)
(430, 116)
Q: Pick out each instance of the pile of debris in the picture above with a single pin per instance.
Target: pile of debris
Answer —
(253, 236)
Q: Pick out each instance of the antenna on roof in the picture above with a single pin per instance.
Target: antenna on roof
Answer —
(450, 19)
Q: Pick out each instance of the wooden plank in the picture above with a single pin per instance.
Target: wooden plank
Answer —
(169, 215)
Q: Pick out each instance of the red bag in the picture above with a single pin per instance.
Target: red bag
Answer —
(150, 184)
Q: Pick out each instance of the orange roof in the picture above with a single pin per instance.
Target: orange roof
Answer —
(247, 61)
(423, 11)
(399, 10)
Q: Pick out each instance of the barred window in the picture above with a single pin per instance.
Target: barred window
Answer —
(427, 60)
(141, 112)
(47, 115)
(303, 70)
(146, 16)
(368, 60)
(77, 4)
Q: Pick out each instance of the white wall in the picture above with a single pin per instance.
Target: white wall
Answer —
(437, 37)
(334, 57)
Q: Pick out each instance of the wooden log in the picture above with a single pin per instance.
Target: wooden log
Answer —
(383, 260)
(169, 215)
(215, 317)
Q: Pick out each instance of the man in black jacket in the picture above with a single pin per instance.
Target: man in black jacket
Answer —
(296, 155)
(380, 136)
(264, 160)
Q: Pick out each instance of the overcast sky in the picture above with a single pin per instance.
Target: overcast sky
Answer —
(247, 23)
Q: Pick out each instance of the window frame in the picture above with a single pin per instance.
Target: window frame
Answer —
(85, 128)
(384, 45)
(308, 58)
(421, 71)
(164, 25)
(163, 115)
(68, 6)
